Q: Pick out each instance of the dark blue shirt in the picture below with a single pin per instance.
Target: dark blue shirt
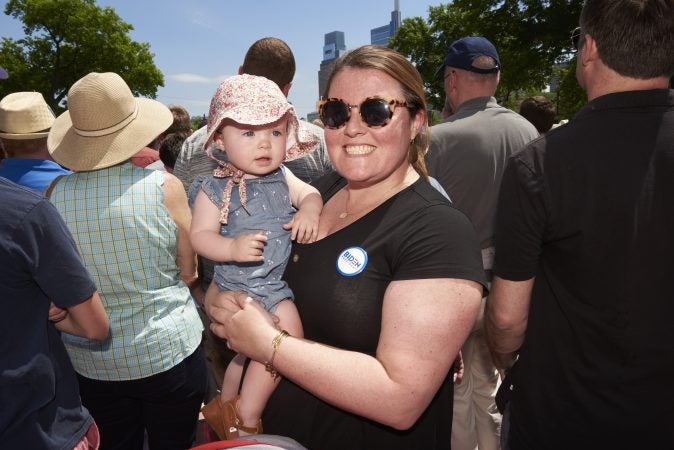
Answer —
(39, 397)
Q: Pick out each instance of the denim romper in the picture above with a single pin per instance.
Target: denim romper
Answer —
(268, 207)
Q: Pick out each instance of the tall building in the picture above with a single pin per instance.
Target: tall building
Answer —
(333, 48)
(381, 35)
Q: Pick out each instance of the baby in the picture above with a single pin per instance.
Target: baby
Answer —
(244, 218)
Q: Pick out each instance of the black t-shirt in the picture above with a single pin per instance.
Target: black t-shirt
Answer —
(588, 210)
(339, 293)
(39, 398)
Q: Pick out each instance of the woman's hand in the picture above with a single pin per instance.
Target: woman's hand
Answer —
(242, 321)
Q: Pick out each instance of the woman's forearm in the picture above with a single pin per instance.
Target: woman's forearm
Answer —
(393, 388)
(355, 382)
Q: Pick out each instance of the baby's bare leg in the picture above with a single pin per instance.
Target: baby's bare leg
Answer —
(232, 379)
(258, 384)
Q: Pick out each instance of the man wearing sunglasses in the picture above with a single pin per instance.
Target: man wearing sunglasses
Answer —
(582, 287)
(467, 155)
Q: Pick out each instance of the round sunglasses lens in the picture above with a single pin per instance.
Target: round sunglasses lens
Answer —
(375, 112)
(334, 114)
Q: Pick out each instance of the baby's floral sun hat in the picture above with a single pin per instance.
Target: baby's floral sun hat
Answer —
(252, 100)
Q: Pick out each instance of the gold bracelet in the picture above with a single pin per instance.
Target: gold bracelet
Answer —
(275, 343)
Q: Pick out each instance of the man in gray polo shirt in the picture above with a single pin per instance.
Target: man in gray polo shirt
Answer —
(467, 155)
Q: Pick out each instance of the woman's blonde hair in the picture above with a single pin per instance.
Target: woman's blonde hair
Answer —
(400, 69)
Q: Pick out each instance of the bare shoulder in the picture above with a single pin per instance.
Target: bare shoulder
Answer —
(174, 193)
(173, 185)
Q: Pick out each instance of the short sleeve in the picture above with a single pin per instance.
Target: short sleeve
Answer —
(440, 243)
(51, 256)
(210, 187)
(520, 220)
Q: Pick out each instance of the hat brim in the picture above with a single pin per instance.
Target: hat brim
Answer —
(23, 136)
(241, 115)
(300, 143)
(440, 71)
(306, 141)
(82, 153)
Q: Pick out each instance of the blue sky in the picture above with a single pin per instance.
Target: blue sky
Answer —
(197, 43)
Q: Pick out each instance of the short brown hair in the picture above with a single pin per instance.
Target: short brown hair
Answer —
(634, 37)
(181, 121)
(270, 58)
(15, 148)
(170, 148)
(540, 111)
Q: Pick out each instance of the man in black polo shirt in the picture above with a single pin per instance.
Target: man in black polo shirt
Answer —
(584, 248)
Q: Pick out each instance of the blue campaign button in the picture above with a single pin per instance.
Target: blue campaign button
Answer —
(351, 261)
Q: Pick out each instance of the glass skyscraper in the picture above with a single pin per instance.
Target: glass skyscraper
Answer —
(381, 35)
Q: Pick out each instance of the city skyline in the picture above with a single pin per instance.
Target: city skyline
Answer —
(199, 43)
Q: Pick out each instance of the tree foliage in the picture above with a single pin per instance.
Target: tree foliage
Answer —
(571, 96)
(66, 39)
(532, 37)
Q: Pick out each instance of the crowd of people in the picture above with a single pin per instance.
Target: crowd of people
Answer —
(489, 282)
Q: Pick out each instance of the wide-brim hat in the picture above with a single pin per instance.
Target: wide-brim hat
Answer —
(105, 124)
(25, 115)
(253, 100)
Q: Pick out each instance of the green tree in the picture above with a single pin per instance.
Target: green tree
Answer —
(65, 40)
(532, 37)
(426, 43)
(571, 97)
(195, 122)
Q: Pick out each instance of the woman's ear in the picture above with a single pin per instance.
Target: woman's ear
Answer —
(417, 124)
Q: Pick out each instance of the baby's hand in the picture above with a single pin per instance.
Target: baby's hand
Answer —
(304, 227)
(249, 247)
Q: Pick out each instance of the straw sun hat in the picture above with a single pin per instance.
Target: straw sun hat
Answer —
(25, 115)
(105, 124)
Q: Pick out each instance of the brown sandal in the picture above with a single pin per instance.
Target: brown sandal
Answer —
(224, 419)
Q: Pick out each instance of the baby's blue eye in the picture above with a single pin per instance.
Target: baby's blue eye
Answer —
(277, 133)
(249, 133)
